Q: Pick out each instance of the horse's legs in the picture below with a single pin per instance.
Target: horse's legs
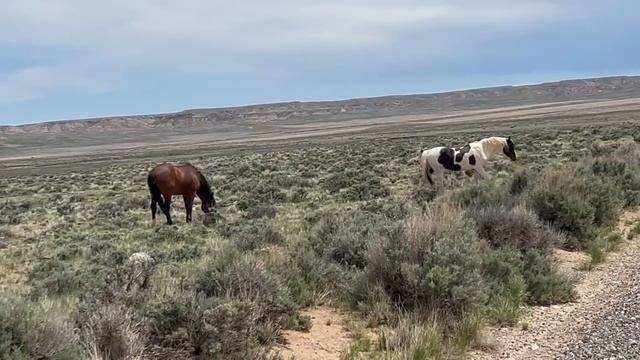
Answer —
(167, 208)
(188, 205)
(154, 208)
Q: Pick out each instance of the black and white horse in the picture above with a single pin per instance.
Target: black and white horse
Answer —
(474, 156)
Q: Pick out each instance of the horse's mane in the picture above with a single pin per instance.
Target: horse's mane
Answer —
(205, 188)
(493, 144)
(204, 185)
(493, 140)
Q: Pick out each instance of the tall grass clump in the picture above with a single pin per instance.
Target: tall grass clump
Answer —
(112, 331)
(413, 339)
(27, 331)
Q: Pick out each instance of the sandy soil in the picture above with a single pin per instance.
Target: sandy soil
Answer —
(325, 340)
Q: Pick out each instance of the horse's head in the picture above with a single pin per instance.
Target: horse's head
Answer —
(509, 149)
(208, 202)
(206, 195)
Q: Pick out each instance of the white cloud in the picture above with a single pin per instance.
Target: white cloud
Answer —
(223, 37)
(255, 26)
(33, 82)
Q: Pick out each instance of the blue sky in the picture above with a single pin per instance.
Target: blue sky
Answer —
(68, 59)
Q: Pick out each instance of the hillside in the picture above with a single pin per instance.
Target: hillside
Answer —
(298, 113)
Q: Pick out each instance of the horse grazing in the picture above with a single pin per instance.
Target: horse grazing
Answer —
(474, 156)
(167, 180)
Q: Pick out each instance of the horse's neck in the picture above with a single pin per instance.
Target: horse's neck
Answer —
(491, 146)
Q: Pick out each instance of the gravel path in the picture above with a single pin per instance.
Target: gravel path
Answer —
(615, 335)
(603, 323)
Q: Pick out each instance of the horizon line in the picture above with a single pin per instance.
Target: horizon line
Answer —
(438, 92)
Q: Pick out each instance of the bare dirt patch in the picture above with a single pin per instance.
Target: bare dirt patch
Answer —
(325, 340)
(570, 262)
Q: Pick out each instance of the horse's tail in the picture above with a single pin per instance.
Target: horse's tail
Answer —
(156, 195)
(426, 169)
(428, 172)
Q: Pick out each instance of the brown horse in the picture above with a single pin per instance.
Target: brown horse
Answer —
(167, 180)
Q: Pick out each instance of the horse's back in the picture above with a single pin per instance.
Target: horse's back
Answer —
(177, 179)
(168, 168)
(161, 168)
(432, 151)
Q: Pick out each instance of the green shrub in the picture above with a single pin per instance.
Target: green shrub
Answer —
(515, 278)
(518, 228)
(519, 183)
(605, 198)
(483, 194)
(598, 248)
(247, 278)
(355, 185)
(503, 269)
(108, 209)
(208, 327)
(345, 237)
(63, 276)
(389, 209)
(260, 211)
(561, 198)
(259, 193)
(579, 200)
(623, 168)
(297, 195)
(309, 277)
(423, 194)
(185, 252)
(54, 277)
(371, 188)
(248, 235)
(545, 285)
(170, 234)
(432, 263)
(285, 181)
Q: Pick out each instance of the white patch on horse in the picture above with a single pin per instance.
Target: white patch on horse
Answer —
(437, 160)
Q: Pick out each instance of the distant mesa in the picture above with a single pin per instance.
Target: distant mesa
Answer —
(295, 112)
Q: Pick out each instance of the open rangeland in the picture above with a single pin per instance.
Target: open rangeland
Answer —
(319, 247)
